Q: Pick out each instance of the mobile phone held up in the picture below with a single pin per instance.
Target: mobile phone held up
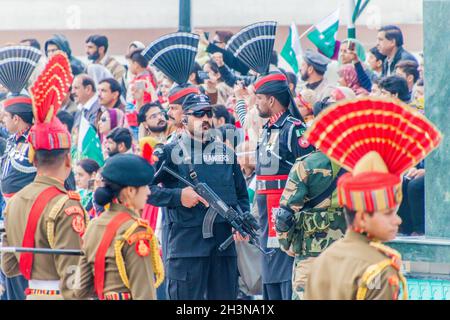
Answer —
(203, 75)
(351, 46)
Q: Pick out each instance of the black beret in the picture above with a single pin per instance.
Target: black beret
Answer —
(128, 170)
(196, 102)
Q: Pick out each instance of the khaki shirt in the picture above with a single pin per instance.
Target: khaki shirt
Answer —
(339, 271)
(138, 268)
(67, 231)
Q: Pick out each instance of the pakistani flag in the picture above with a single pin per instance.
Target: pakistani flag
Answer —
(292, 50)
(323, 34)
(89, 145)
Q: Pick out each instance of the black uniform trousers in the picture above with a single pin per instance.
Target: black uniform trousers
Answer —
(200, 278)
(277, 291)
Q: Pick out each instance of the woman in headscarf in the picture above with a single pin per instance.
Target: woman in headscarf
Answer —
(109, 119)
(352, 51)
(349, 78)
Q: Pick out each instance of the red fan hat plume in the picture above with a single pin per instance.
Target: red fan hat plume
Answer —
(376, 141)
(48, 94)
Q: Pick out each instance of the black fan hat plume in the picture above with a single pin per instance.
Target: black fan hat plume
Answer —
(174, 54)
(253, 45)
(17, 63)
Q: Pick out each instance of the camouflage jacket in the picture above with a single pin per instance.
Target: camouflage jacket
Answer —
(314, 229)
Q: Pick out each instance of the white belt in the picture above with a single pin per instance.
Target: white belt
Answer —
(43, 284)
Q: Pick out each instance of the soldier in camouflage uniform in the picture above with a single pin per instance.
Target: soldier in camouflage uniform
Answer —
(310, 219)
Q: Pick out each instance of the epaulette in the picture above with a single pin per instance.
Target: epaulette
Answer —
(395, 256)
(145, 243)
(78, 214)
(375, 270)
(74, 195)
(294, 121)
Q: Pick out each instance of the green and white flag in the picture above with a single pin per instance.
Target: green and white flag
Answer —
(89, 145)
(323, 34)
(292, 49)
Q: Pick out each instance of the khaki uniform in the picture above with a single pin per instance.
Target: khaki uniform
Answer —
(60, 227)
(354, 268)
(129, 272)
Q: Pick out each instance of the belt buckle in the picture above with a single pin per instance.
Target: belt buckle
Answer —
(261, 184)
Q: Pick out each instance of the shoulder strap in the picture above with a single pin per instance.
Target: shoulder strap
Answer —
(130, 237)
(99, 263)
(26, 259)
(326, 193)
(394, 260)
(52, 217)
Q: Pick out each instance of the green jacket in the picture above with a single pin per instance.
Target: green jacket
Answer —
(314, 229)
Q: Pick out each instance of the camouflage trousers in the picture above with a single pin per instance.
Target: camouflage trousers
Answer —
(300, 273)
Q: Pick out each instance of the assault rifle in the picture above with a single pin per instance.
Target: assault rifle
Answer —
(243, 223)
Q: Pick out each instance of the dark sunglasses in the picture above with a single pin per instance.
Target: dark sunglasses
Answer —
(201, 113)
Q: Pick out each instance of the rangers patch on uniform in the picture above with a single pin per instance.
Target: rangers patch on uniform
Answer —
(303, 142)
(78, 224)
(143, 248)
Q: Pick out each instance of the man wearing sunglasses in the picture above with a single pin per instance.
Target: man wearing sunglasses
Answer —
(196, 269)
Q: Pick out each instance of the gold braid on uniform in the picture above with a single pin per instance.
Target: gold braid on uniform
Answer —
(54, 213)
(52, 217)
(376, 269)
(156, 260)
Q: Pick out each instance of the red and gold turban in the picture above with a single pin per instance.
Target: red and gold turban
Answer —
(376, 141)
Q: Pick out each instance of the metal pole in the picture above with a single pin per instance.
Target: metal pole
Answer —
(70, 252)
(184, 16)
(351, 29)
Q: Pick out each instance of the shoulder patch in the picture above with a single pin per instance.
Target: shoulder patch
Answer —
(142, 235)
(300, 131)
(78, 218)
(143, 247)
(303, 142)
(74, 195)
(74, 210)
(78, 224)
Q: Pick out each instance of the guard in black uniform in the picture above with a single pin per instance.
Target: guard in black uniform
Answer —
(280, 144)
(196, 268)
(179, 47)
